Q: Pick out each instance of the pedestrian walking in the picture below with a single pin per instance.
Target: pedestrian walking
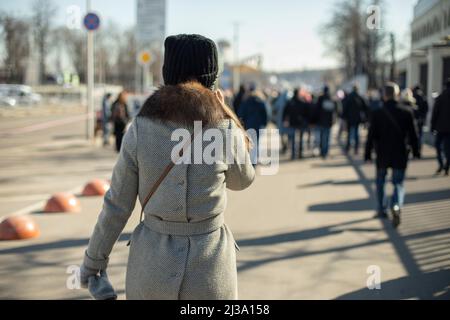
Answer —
(422, 112)
(182, 249)
(295, 115)
(239, 98)
(254, 116)
(120, 118)
(106, 117)
(440, 126)
(327, 112)
(392, 129)
(355, 113)
(279, 105)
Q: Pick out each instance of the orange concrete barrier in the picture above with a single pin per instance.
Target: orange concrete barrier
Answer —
(62, 202)
(96, 188)
(18, 228)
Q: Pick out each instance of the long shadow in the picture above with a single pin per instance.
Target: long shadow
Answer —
(244, 266)
(368, 203)
(302, 235)
(354, 182)
(398, 242)
(434, 285)
(63, 244)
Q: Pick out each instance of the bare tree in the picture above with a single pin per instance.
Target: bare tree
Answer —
(349, 39)
(126, 59)
(44, 12)
(76, 47)
(15, 32)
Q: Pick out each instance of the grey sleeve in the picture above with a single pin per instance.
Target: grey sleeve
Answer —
(241, 173)
(119, 203)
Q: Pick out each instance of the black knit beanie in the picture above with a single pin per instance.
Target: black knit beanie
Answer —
(190, 57)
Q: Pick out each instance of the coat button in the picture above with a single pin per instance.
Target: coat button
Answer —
(181, 183)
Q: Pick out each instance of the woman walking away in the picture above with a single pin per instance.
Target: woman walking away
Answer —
(182, 249)
(120, 118)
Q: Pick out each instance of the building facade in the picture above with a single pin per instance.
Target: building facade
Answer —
(429, 62)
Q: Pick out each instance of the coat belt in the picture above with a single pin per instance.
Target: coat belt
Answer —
(184, 228)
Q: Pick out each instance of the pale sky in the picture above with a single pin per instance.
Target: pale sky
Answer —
(286, 32)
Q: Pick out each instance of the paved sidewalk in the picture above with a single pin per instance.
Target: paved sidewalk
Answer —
(306, 233)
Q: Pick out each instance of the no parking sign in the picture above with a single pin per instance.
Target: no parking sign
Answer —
(91, 21)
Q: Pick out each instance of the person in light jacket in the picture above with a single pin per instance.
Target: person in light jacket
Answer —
(182, 249)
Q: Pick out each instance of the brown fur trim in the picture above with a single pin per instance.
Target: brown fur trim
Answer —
(184, 104)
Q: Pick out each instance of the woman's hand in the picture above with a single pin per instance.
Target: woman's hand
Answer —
(98, 283)
(85, 274)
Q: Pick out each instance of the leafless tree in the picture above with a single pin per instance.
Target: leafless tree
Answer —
(15, 33)
(75, 42)
(126, 59)
(44, 12)
(348, 37)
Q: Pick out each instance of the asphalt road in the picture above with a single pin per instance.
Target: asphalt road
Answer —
(46, 152)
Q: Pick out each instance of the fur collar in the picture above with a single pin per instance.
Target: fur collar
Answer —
(183, 104)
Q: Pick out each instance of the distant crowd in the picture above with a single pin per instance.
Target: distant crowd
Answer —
(394, 121)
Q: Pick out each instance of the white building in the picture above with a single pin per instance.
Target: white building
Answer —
(429, 61)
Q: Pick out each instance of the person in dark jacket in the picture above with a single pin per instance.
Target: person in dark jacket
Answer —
(355, 113)
(106, 117)
(253, 113)
(422, 112)
(238, 98)
(392, 128)
(296, 114)
(326, 116)
(440, 126)
(120, 118)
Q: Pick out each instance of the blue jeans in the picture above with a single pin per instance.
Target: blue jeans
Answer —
(293, 140)
(442, 145)
(398, 198)
(324, 141)
(353, 135)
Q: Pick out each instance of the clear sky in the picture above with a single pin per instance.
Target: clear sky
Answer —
(286, 32)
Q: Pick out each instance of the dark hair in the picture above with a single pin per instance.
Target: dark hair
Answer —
(447, 84)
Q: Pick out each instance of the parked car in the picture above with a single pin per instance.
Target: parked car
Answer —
(7, 102)
(23, 95)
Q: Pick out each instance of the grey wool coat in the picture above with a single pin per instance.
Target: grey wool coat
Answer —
(182, 249)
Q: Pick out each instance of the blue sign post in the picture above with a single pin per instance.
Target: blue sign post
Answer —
(91, 21)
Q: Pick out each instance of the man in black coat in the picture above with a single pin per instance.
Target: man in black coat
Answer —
(326, 116)
(440, 125)
(422, 111)
(392, 128)
(355, 113)
(296, 113)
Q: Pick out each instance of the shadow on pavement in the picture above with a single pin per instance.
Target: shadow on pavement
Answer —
(434, 285)
(63, 244)
(302, 235)
(368, 203)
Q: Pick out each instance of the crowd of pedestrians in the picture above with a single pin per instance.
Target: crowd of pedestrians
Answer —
(394, 121)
